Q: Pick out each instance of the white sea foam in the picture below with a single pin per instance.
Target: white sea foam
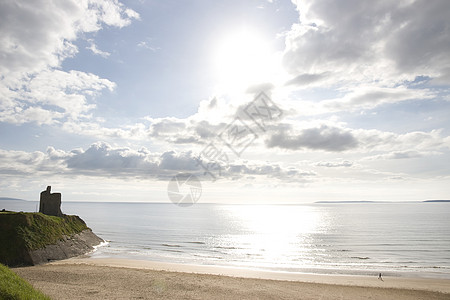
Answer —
(102, 244)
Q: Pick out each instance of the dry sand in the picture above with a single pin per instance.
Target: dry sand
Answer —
(133, 279)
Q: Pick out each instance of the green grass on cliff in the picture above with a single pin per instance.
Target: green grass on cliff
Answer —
(30, 231)
(14, 287)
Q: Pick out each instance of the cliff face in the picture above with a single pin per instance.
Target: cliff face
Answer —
(35, 238)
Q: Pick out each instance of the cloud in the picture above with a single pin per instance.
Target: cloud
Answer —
(328, 137)
(96, 51)
(420, 42)
(212, 118)
(35, 38)
(178, 161)
(367, 54)
(14, 162)
(344, 163)
(319, 138)
(166, 126)
(102, 157)
(376, 140)
(148, 46)
(369, 41)
(368, 97)
(54, 95)
(307, 79)
(31, 43)
(103, 160)
(256, 89)
(270, 170)
(403, 154)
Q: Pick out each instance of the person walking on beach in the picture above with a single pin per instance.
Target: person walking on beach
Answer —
(379, 277)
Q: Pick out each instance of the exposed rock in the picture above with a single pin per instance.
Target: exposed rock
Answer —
(68, 247)
(50, 203)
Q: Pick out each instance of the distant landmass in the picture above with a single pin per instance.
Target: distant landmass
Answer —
(15, 199)
(347, 202)
(436, 201)
(328, 202)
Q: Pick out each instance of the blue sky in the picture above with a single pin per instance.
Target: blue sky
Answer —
(167, 53)
(107, 100)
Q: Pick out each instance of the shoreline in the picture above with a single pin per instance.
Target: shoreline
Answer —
(416, 283)
(111, 278)
(292, 270)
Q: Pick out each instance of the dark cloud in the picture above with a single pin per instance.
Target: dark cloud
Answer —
(268, 170)
(371, 38)
(103, 160)
(186, 140)
(178, 161)
(206, 130)
(321, 138)
(307, 79)
(164, 127)
(102, 157)
(420, 41)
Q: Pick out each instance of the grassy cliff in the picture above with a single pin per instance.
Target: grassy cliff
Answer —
(23, 232)
(14, 287)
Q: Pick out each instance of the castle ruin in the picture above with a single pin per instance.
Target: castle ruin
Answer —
(50, 203)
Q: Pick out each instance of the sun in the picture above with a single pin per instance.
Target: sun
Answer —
(242, 58)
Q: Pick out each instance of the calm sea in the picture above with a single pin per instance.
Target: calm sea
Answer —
(402, 239)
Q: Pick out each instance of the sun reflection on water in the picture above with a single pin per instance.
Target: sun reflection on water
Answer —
(273, 233)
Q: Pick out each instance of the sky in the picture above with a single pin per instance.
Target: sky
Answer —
(263, 101)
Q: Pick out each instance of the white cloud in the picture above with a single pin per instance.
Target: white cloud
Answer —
(405, 154)
(376, 140)
(148, 46)
(344, 163)
(368, 97)
(35, 37)
(96, 51)
(55, 94)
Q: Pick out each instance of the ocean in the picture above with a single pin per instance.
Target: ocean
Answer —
(398, 239)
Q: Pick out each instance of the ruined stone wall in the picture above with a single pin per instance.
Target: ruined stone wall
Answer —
(50, 203)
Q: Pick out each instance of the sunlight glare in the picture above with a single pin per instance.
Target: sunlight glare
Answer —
(243, 58)
(278, 231)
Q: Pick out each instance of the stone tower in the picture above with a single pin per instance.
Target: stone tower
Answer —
(50, 203)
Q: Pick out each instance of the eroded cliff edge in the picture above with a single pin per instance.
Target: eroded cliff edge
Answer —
(35, 238)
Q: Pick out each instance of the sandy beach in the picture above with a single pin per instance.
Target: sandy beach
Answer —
(89, 278)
